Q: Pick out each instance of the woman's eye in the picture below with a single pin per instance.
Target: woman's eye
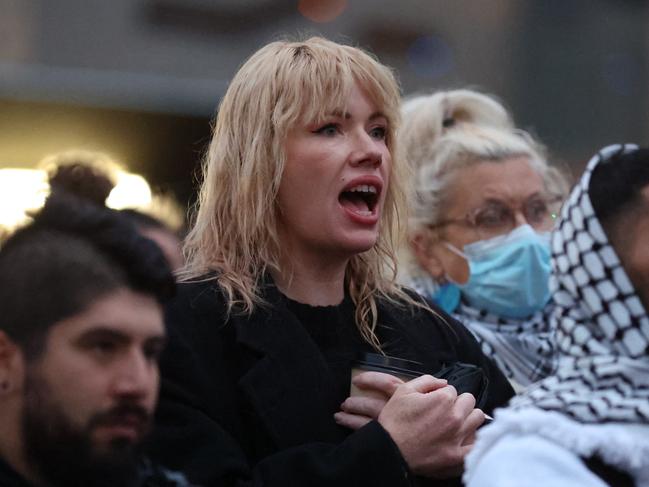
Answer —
(491, 217)
(537, 211)
(378, 133)
(330, 129)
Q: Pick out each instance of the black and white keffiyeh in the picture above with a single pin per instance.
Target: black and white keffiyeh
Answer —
(602, 326)
(523, 349)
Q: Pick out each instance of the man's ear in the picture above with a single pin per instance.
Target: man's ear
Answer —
(425, 250)
(11, 364)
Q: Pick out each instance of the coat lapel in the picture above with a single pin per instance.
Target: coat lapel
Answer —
(290, 385)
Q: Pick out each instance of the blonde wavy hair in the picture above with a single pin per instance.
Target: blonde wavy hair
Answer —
(235, 229)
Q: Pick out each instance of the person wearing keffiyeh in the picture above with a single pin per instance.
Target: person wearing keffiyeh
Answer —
(484, 202)
(588, 424)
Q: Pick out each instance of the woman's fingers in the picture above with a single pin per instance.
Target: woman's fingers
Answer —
(377, 381)
(426, 383)
(473, 421)
(465, 403)
(351, 421)
(364, 406)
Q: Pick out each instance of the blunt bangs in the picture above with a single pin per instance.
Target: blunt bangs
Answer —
(315, 78)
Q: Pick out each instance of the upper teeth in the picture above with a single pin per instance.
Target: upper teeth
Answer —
(363, 188)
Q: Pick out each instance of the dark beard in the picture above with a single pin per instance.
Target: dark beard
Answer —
(62, 455)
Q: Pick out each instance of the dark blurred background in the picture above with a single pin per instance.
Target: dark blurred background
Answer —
(141, 79)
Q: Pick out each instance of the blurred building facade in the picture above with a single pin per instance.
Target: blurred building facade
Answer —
(141, 79)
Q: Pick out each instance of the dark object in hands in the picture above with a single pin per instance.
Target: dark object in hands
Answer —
(403, 369)
(466, 378)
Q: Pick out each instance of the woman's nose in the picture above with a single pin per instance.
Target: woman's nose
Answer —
(520, 218)
(365, 151)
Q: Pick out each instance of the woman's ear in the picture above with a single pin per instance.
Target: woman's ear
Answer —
(424, 248)
(11, 369)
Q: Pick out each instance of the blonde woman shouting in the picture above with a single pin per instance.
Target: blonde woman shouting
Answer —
(300, 204)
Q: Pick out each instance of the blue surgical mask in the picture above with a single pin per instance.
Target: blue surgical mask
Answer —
(509, 274)
(447, 296)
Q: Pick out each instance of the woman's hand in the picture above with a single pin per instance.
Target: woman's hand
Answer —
(375, 389)
(433, 426)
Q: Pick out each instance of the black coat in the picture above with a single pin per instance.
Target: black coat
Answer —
(149, 475)
(10, 478)
(249, 401)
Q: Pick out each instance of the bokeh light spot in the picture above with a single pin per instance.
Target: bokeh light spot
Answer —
(21, 190)
(131, 191)
(24, 190)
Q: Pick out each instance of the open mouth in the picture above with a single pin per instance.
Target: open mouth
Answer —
(360, 198)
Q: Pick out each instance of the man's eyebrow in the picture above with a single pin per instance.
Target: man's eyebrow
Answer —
(103, 332)
(108, 333)
(157, 341)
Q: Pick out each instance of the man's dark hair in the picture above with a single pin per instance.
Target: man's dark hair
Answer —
(82, 180)
(616, 185)
(71, 254)
(142, 220)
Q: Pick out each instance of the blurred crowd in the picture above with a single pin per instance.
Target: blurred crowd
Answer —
(370, 291)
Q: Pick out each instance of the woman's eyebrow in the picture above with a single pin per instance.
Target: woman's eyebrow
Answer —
(348, 115)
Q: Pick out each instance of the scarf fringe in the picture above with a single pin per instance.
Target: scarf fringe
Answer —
(624, 446)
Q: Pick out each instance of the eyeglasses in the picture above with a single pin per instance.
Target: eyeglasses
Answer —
(496, 218)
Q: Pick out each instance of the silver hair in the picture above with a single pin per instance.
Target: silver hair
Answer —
(446, 131)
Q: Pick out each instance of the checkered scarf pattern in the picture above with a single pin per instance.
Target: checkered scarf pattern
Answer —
(602, 326)
(523, 349)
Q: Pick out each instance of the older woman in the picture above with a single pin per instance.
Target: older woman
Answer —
(485, 203)
(588, 424)
(302, 191)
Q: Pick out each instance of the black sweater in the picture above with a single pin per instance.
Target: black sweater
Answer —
(250, 400)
